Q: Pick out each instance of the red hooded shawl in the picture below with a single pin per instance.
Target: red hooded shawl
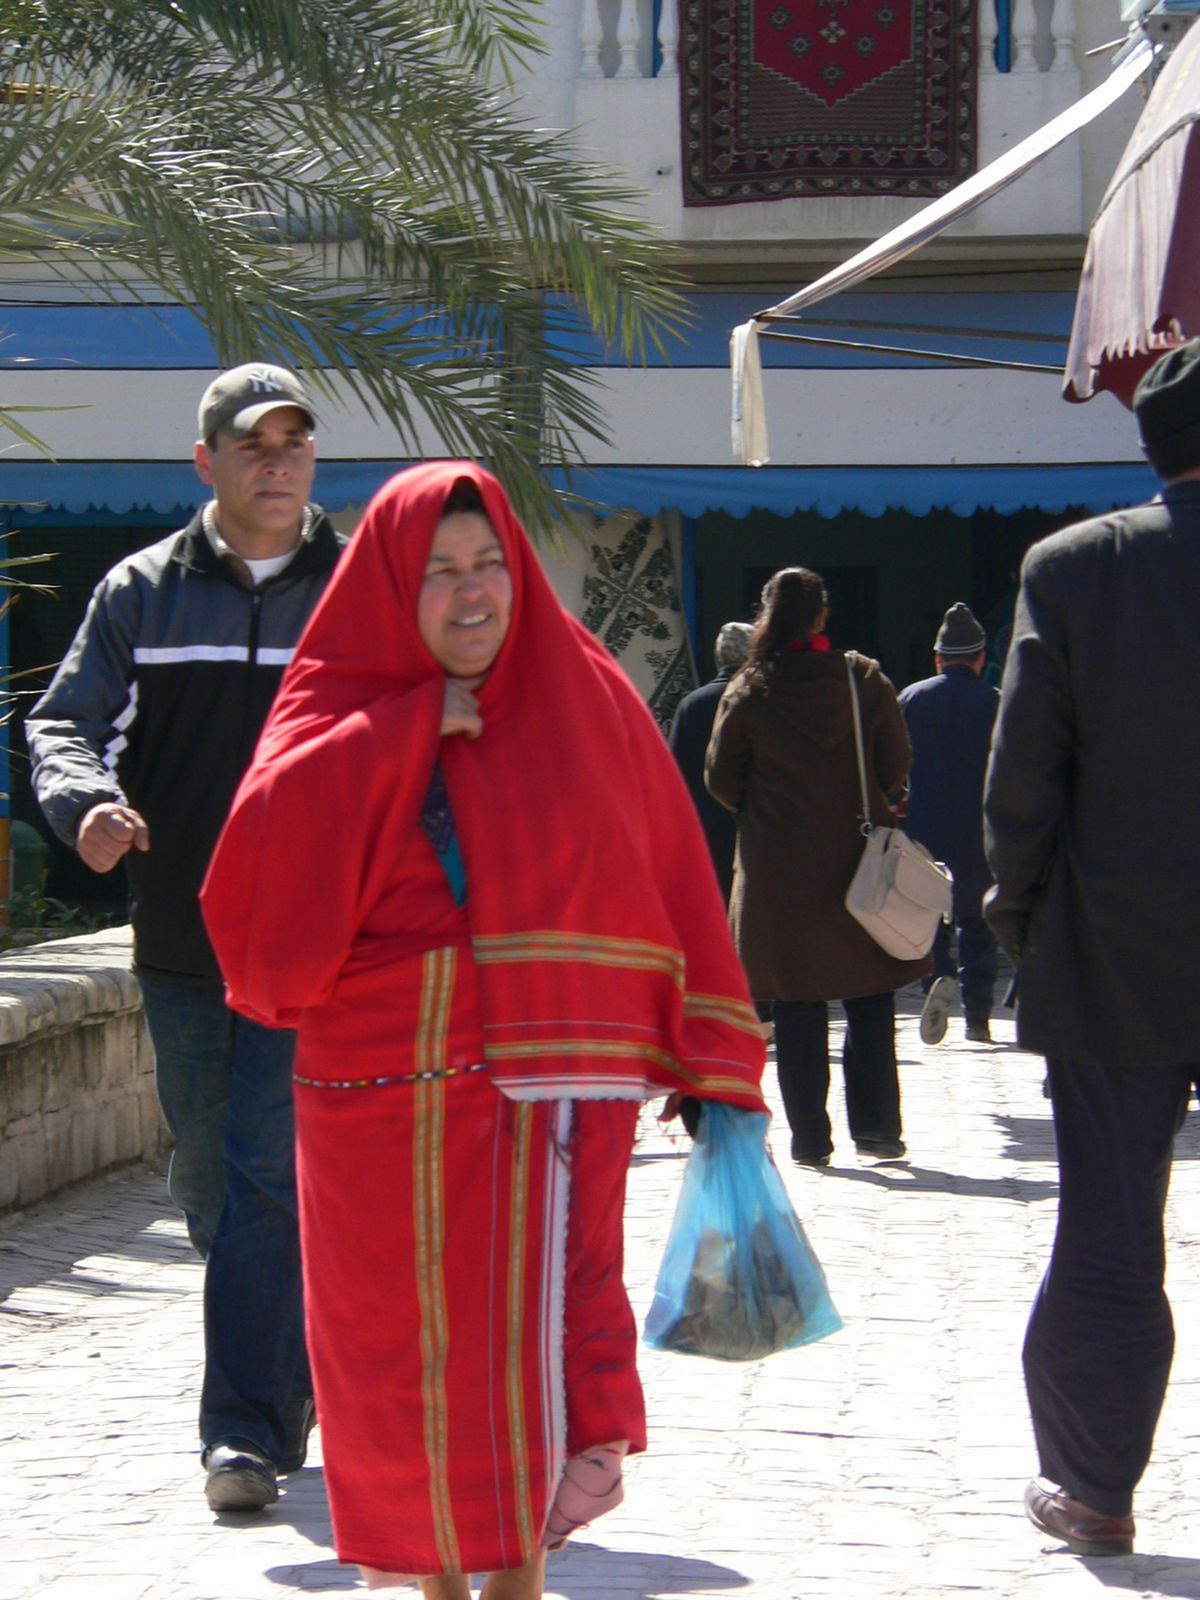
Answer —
(591, 957)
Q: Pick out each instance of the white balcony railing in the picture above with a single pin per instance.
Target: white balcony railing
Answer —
(640, 38)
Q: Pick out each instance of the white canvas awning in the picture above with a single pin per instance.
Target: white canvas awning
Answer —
(750, 438)
(1139, 292)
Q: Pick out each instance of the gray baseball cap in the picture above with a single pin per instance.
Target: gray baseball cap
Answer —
(237, 399)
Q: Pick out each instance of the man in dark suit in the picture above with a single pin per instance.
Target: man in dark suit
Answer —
(689, 736)
(949, 720)
(1091, 787)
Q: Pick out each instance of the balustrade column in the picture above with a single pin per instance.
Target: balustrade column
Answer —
(989, 32)
(1062, 31)
(1025, 30)
(629, 39)
(591, 40)
(668, 39)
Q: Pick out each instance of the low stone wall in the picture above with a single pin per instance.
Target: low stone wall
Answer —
(76, 1067)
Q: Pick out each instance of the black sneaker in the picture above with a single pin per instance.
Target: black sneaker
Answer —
(978, 1033)
(299, 1417)
(240, 1477)
(881, 1149)
(809, 1158)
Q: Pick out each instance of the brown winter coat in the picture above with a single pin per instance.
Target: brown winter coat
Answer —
(784, 763)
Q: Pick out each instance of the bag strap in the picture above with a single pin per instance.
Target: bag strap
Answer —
(865, 824)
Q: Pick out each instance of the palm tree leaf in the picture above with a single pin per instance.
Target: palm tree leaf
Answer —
(339, 186)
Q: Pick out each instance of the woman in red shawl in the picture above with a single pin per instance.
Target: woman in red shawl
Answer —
(464, 866)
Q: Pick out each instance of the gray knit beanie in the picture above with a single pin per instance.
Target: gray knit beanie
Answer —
(960, 633)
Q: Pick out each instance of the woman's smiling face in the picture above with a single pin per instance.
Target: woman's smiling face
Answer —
(466, 595)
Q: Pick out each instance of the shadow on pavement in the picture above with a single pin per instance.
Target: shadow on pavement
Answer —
(1029, 1138)
(302, 1505)
(1147, 1574)
(320, 1577)
(122, 1216)
(1187, 1145)
(1032, 1138)
(580, 1572)
(905, 1176)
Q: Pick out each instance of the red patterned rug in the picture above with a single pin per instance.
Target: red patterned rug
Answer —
(786, 98)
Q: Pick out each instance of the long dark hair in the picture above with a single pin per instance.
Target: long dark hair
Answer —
(792, 601)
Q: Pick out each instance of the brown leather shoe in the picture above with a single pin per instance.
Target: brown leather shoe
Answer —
(1082, 1530)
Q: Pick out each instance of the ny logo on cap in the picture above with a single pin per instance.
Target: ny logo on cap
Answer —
(262, 381)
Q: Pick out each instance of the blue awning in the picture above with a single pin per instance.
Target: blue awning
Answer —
(112, 489)
(871, 491)
(84, 335)
(101, 492)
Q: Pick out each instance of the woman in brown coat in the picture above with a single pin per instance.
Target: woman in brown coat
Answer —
(782, 759)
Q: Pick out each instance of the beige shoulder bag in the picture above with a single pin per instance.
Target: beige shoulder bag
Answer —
(898, 892)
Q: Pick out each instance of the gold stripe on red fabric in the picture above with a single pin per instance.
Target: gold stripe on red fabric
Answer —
(635, 954)
(429, 1106)
(723, 1008)
(609, 1047)
(518, 1333)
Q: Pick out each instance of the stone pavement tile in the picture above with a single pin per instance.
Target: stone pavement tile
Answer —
(887, 1461)
(128, 1586)
(22, 1579)
(1171, 1577)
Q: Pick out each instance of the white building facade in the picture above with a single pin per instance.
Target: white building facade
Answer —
(909, 483)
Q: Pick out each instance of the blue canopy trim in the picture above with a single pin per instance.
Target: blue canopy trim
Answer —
(97, 491)
(104, 493)
(871, 491)
(81, 336)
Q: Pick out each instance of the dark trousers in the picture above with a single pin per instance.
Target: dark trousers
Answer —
(974, 964)
(868, 1068)
(1100, 1340)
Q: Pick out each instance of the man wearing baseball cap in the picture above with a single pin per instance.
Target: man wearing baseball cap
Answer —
(138, 746)
(1091, 785)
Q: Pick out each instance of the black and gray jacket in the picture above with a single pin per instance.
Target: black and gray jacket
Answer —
(159, 703)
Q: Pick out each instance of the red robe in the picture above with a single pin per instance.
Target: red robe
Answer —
(466, 1075)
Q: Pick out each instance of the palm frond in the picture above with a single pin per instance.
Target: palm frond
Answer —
(341, 187)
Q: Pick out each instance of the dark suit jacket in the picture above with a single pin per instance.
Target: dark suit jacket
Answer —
(689, 736)
(1092, 789)
(950, 721)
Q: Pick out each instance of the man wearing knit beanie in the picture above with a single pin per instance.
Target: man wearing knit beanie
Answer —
(1091, 786)
(949, 719)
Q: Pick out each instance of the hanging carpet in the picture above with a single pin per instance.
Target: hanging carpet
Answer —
(787, 98)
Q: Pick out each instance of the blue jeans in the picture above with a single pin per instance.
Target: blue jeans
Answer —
(225, 1084)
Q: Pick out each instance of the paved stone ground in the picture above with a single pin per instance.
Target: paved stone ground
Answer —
(886, 1461)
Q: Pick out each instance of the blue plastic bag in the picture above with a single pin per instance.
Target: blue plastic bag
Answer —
(739, 1280)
